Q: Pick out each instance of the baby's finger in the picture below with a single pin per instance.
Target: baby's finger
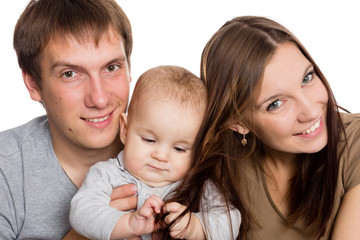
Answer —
(174, 207)
(156, 202)
(174, 211)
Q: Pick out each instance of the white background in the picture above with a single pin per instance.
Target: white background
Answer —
(176, 31)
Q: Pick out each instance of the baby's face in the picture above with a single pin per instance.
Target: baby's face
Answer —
(159, 140)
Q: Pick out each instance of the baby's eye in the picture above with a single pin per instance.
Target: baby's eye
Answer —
(148, 140)
(179, 149)
(307, 78)
(274, 105)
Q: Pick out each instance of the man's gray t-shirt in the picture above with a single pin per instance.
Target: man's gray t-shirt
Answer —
(35, 193)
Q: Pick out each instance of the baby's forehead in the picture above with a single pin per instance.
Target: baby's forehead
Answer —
(166, 117)
(177, 99)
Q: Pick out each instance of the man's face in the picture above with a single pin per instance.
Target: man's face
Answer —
(84, 89)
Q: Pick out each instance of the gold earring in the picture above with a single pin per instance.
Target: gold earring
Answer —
(244, 141)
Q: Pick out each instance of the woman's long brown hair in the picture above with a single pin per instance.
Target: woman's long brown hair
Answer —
(232, 67)
(234, 61)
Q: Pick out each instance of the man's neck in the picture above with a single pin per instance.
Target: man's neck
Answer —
(76, 160)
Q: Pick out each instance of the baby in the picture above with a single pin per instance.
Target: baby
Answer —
(164, 116)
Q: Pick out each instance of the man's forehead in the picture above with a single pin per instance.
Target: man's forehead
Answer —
(71, 51)
(85, 38)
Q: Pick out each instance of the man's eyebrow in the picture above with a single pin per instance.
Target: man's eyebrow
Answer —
(117, 59)
(64, 64)
(70, 65)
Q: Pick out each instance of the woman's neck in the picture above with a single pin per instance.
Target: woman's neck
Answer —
(280, 168)
(279, 160)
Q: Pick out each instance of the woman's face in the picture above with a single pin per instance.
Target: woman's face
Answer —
(290, 108)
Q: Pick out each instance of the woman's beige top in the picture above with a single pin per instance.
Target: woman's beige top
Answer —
(267, 214)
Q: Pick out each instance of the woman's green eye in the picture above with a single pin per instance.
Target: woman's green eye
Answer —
(307, 78)
(274, 105)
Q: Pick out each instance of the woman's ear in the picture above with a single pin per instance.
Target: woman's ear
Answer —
(123, 127)
(32, 87)
(239, 128)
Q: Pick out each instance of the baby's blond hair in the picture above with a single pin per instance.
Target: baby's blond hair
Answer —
(169, 83)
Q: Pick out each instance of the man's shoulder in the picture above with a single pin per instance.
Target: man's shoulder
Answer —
(12, 140)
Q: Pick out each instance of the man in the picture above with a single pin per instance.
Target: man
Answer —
(75, 60)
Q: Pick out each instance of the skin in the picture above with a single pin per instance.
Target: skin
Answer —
(119, 199)
(82, 82)
(280, 123)
(193, 228)
(291, 100)
(158, 138)
(347, 221)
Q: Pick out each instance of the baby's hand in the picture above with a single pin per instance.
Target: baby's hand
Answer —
(175, 209)
(143, 219)
(183, 228)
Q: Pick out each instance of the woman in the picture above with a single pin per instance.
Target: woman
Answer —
(273, 122)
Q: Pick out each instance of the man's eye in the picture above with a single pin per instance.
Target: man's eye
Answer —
(112, 68)
(69, 74)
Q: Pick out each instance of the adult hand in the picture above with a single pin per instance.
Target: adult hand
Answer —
(122, 197)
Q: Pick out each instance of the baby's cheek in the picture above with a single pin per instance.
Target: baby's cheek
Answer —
(132, 166)
(180, 172)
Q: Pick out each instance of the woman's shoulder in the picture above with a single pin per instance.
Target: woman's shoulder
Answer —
(351, 122)
(350, 151)
(350, 119)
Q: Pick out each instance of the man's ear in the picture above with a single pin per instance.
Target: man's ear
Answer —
(239, 128)
(32, 87)
(123, 127)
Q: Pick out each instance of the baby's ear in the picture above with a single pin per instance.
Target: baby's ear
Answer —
(123, 127)
(239, 128)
